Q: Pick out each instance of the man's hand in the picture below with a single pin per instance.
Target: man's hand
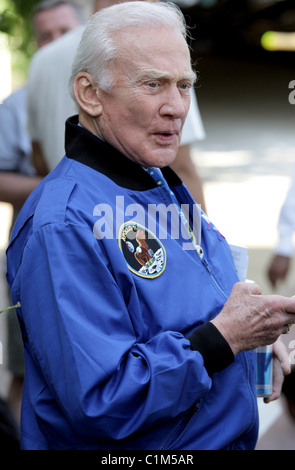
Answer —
(281, 367)
(250, 319)
(278, 269)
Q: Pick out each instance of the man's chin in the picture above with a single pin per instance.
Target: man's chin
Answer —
(163, 157)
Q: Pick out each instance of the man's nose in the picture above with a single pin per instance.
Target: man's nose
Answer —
(174, 104)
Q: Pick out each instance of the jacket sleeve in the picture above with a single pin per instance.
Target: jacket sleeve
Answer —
(81, 334)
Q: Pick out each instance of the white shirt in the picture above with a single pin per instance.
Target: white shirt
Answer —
(286, 224)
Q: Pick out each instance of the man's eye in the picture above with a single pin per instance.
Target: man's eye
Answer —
(184, 86)
(153, 84)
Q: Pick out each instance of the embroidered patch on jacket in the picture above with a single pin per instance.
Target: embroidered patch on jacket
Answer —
(144, 253)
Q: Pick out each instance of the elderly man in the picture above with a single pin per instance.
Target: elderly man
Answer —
(137, 334)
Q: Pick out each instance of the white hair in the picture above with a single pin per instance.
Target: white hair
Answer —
(97, 50)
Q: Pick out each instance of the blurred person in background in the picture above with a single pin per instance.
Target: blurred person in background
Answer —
(281, 261)
(51, 19)
(50, 104)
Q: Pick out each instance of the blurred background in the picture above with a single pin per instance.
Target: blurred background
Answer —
(244, 52)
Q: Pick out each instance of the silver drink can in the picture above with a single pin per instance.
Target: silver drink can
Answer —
(264, 371)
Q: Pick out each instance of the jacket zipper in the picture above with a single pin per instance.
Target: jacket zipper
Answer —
(199, 252)
(180, 428)
(216, 284)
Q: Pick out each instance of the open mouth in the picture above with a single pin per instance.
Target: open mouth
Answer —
(166, 137)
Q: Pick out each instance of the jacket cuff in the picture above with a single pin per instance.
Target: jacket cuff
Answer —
(210, 343)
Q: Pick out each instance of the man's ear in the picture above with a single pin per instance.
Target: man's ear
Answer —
(87, 94)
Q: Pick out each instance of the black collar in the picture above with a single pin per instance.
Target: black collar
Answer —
(86, 148)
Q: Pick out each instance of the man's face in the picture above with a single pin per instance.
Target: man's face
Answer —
(53, 23)
(144, 113)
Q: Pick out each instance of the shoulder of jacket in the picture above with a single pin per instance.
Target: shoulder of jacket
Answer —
(53, 202)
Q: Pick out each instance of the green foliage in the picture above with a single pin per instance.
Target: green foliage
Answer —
(16, 24)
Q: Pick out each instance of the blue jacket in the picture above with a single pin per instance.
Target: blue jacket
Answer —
(115, 314)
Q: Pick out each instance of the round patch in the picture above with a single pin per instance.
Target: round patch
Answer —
(144, 253)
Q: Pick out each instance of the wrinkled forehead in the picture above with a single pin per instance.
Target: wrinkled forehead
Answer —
(156, 48)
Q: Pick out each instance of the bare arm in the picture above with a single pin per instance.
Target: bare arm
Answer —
(278, 269)
(281, 367)
(15, 188)
(38, 159)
